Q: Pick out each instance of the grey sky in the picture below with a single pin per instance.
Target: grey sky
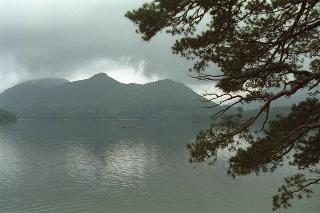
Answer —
(77, 38)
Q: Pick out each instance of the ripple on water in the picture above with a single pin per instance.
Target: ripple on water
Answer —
(70, 168)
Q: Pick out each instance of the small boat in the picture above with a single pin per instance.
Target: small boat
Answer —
(132, 127)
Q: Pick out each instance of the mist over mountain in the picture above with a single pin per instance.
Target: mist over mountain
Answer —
(101, 97)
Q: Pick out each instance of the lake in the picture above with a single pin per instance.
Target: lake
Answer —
(98, 166)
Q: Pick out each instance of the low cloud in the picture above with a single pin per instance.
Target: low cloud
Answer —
(123, 70)
(73, 38)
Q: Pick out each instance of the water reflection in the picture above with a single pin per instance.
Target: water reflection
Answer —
(96, 166)
(125, 164)
(9, 161)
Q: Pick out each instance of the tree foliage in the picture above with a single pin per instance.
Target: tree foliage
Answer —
(6, 117)
(266, 50)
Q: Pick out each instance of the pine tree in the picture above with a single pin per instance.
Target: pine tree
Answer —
(265, 50)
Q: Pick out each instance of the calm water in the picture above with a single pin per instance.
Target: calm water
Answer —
(97, 166)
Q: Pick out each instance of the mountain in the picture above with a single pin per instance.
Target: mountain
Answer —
(102, 97)
(284, 102)
(24, 94)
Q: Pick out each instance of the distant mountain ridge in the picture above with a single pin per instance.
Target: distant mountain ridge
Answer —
(101, 97)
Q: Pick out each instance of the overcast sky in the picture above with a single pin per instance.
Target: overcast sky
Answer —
(75, 39)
